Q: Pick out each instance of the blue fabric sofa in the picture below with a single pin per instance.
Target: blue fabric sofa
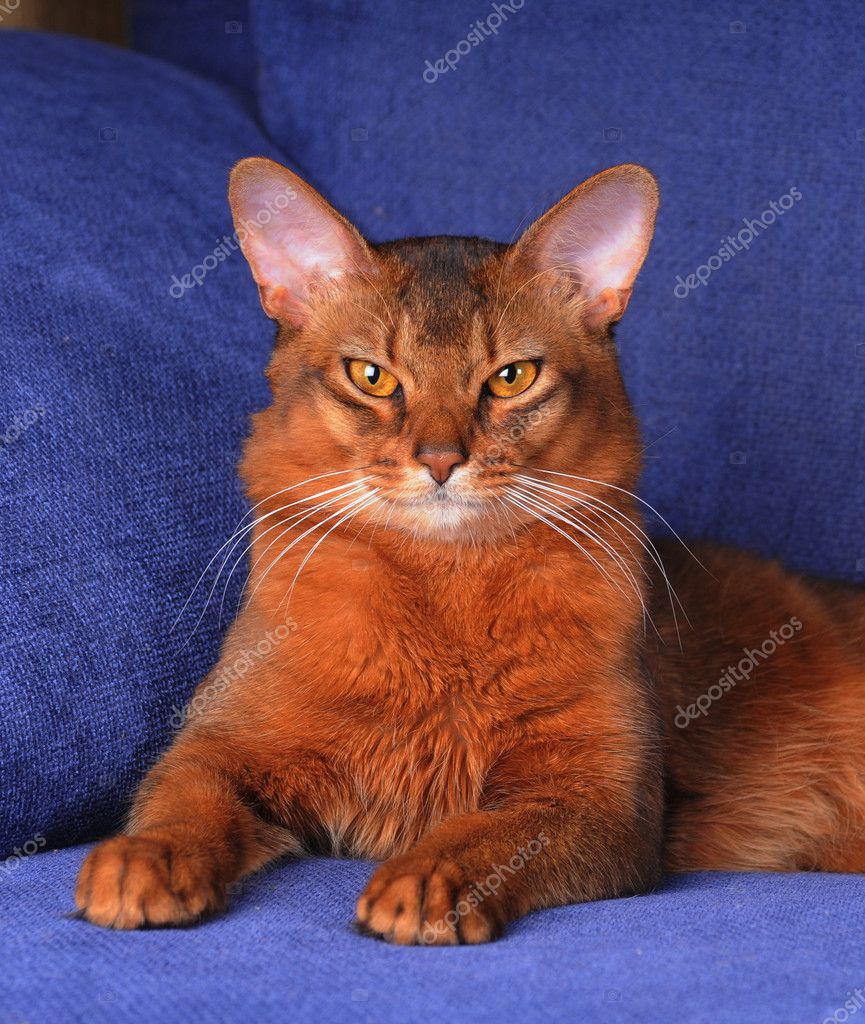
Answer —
(133, 357)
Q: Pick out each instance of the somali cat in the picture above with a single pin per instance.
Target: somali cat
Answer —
(489, 687)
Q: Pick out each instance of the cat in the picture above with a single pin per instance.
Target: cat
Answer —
(491, 680)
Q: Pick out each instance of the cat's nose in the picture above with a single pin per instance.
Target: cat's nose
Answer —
(440, 463)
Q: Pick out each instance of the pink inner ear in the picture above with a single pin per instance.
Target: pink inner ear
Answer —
(290, 237)
(294, 240)
(601, 237)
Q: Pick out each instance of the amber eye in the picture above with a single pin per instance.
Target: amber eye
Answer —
(513, 379)
(372, 379)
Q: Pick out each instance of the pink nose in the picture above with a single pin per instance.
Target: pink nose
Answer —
(440, 463)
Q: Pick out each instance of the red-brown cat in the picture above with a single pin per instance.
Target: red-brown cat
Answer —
(474, 692)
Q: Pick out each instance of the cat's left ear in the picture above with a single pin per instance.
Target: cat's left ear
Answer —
(292, 238)
(597, 238)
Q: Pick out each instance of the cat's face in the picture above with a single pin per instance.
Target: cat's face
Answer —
(422, 383)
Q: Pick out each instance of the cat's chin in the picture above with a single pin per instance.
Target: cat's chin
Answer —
(441, 517)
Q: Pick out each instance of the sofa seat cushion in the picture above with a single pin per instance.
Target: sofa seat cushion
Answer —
(706, 949)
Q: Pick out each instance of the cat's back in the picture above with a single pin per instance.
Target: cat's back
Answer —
(761, 697)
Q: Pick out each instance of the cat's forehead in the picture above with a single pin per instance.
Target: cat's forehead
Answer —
(445, 298)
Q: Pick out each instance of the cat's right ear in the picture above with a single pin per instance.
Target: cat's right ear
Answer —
(292, 239)
(596, 239)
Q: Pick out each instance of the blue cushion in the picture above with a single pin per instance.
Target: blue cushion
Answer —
(121, 413)
(750, 384)
(123, 406)
(210, 37)
(706, 949)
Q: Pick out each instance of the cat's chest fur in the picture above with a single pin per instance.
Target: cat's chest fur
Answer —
(410, 771)
(427, 684)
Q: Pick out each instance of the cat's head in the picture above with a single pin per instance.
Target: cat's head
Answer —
(424, 382)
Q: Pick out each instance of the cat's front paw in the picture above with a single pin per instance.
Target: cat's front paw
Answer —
(136, 881)
(427, 901)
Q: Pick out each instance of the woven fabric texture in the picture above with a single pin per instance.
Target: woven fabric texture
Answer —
(122, 407)
(749, 384)
(705, 949)
(125, 395)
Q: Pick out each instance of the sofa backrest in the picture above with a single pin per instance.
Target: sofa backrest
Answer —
(743, 348)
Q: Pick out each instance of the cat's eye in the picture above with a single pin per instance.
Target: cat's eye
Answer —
(513, 379)
(372, 379)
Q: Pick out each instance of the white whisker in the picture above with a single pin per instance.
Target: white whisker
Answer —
(251, 526)
(559, 514)
(616, 515)
(519, 503)
(299, 517)
(297, 540)
(365, 502)
(636, 497)
(248, 512)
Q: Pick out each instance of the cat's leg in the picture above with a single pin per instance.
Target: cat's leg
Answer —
(196, 827)
(547, 844)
